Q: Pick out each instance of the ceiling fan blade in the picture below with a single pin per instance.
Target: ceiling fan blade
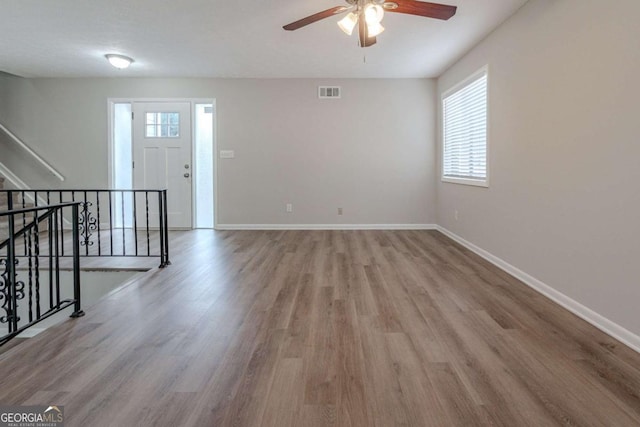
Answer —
(365, 40)
(420, 8)
(315, 17)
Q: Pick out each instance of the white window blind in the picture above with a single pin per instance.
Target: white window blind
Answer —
(465, 131)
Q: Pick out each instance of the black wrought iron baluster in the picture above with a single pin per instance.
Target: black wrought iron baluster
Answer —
(49, 218)
(85, 212)
(124, 250)
(5, 282)
(53, 230)
(135, 222)
(5, 292)
(56, 260)
(77, 311)
(86, 223)
(161, 229)
(36, 245)
(146, 209)
(166, 228)
(11, 278)
(61, 220)
(49, 203)
(30, 275)
(35, 201)
(24, 224)
(98, 210)
(111, 219)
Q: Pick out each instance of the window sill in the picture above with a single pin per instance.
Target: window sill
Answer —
(465, 181)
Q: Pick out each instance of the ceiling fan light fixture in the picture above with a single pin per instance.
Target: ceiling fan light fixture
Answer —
(119, 61)
(374, 29)
(373, 13)
(368, 14)
(348, 23)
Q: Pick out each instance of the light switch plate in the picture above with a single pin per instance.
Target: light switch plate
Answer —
(227, 154)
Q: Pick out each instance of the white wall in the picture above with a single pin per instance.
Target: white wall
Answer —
(564, 199)
(371, 152)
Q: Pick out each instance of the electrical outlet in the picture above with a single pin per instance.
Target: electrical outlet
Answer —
(289, 207)
(339, 211)
(455, 214)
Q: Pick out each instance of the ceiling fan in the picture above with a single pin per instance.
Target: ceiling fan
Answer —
(367, 14)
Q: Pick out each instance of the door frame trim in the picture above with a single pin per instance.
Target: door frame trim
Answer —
(192, 101)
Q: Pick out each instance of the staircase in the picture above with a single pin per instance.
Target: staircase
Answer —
(17, 204)
(4, 226)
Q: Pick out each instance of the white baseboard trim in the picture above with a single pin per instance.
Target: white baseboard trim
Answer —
(326, 227)
(605, 325)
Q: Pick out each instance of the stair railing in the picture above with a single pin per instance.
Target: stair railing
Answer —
(112, 223)
(31, 289)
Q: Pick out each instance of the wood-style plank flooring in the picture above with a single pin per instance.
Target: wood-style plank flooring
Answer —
(325, 328)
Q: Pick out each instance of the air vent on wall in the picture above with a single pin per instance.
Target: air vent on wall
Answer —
(328, 92)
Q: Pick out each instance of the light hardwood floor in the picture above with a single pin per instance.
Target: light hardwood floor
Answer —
(325, 328)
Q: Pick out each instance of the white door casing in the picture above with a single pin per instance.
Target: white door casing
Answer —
(162, 156)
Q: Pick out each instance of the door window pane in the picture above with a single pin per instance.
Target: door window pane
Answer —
(162, 125)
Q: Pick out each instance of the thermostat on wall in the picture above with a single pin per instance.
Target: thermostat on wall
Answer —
(227, 154)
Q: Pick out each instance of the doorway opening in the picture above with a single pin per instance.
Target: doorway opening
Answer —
(165, 144)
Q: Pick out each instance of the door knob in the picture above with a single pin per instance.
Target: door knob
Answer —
(186, 175)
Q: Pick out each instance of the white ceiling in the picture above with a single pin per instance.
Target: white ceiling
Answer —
(214, 38)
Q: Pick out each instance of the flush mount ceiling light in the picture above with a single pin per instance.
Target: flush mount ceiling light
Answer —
(368, 14)
(119, 61)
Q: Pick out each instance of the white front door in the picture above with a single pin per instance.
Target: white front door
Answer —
(162, 155)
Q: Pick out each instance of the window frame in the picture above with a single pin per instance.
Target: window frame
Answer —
(452, 90)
